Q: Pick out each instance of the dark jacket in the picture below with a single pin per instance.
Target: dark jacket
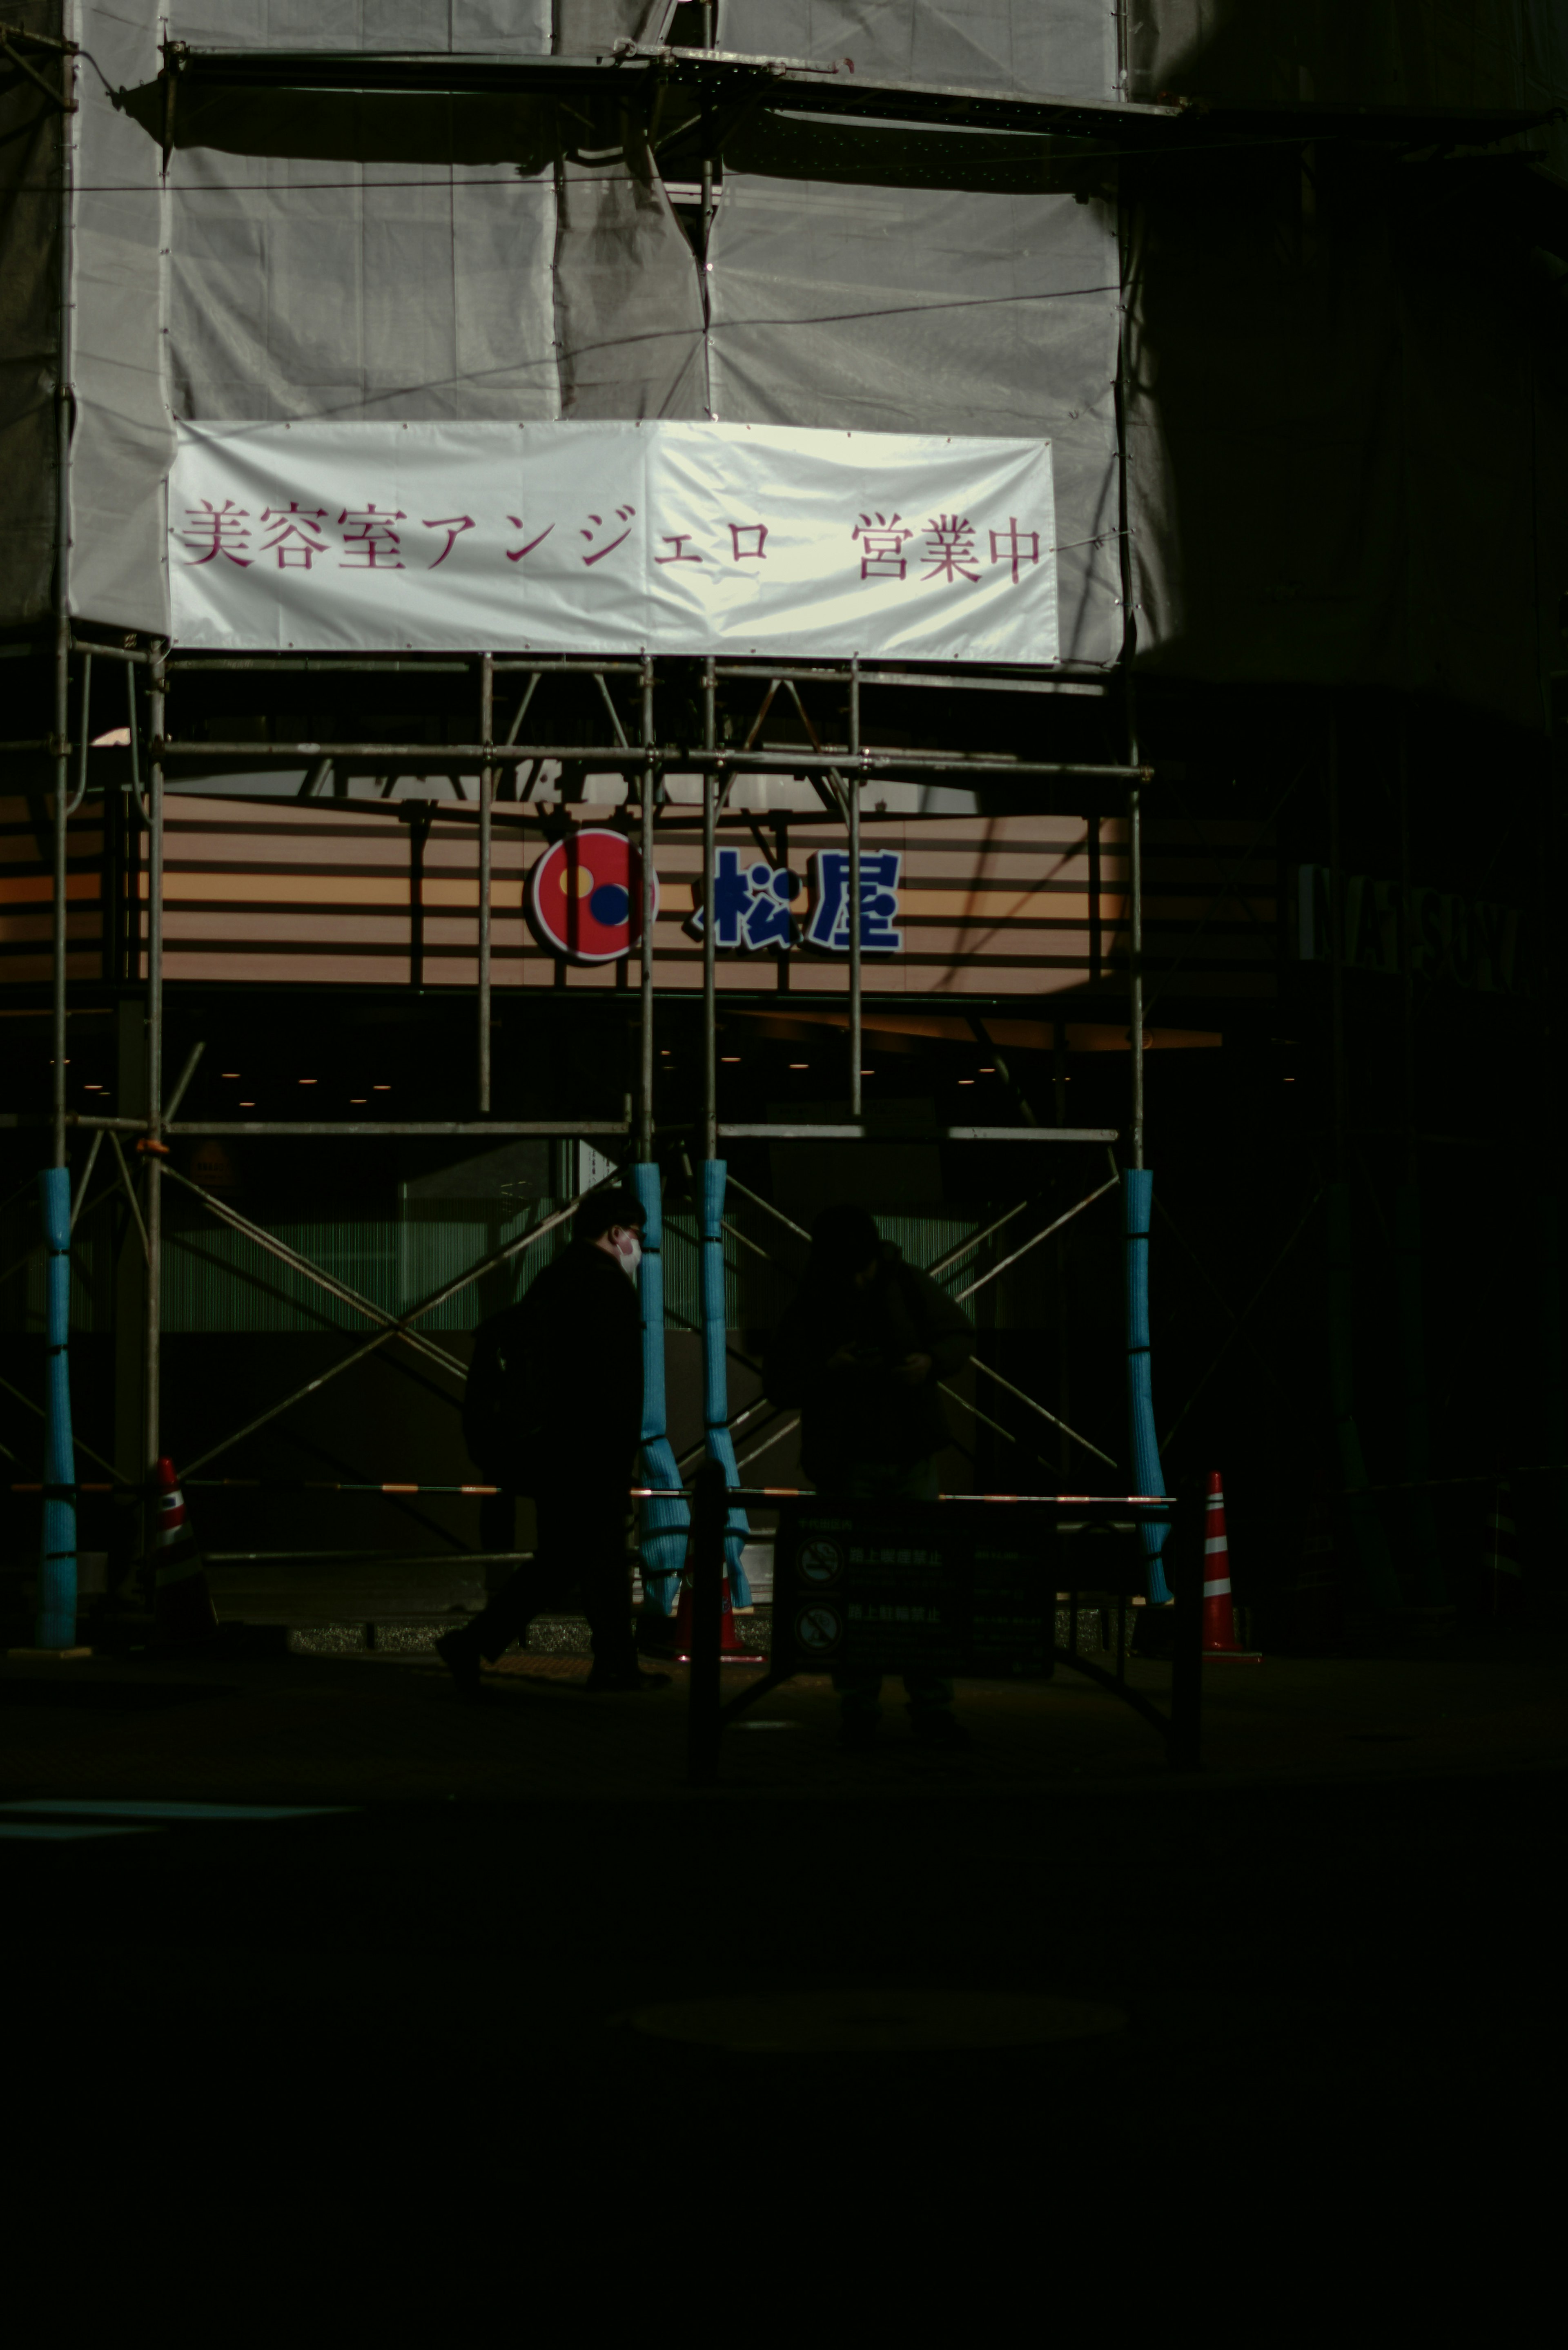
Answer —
(854, 1414)
(555, 1387)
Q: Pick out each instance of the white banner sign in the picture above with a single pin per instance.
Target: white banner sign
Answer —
(612, 538)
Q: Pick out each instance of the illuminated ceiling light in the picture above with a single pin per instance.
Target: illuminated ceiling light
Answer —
(728, 1056)
(380, 1089)
(356, 1101)
(988, 1073)
(966, 1081)
(230, 1073)
(799, 1065)
(247, 1105)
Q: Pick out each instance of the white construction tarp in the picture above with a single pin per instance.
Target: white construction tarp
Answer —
(664, 538)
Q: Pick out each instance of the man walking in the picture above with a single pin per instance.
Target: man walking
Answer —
(554, 1408)
(860, 1351)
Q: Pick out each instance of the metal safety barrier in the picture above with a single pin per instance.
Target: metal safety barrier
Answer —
(709, 1715)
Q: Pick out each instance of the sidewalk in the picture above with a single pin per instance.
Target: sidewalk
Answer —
(385, 1726)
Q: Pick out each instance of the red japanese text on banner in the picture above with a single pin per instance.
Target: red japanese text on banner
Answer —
(659, 537)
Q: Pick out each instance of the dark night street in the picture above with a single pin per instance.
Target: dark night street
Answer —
(418, 2007)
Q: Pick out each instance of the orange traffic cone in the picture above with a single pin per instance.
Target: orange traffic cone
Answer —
(1219, 1622)
(730, 1649)
(1500, 1562)
(183, 1605)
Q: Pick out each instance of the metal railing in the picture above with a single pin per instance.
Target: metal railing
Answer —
(709, 1715)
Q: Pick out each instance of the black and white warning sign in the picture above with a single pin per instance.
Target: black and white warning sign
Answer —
(950, 1587)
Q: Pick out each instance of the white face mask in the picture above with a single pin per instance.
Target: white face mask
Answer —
(628, 1248)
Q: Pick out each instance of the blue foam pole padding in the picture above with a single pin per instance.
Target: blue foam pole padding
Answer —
(715, 1374)
(664, 1524)
(56, 1615)
(1137, 1194)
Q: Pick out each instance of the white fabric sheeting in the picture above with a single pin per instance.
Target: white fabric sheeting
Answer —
(928, 310)
(30, 130)
(522, 26)
(1065, 49)
(629, 302)
(123, 439)
(303, 289)
(603, 538)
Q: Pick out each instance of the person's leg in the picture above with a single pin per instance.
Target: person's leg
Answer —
(532, 1586)
(929, 1695)
(859, 1692)
(603, 1573)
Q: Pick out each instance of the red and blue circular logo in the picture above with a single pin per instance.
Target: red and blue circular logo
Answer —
(585, 895)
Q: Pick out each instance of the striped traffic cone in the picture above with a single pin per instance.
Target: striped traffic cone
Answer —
(1500, 1562)
(182, 1605)
(1219, 1621)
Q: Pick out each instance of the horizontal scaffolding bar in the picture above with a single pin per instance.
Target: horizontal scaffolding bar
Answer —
(755, 1496)
(510, 1127)
(323, 1485)
(365, 1558)
(796, 83)
(630, 758)
(366, 664)
(109, 653)
(952, 677)
(543, 1129)
(12, 1118)
(861, 1132)
(966, 681)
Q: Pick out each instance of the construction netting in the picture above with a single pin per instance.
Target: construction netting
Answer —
(1344, 371)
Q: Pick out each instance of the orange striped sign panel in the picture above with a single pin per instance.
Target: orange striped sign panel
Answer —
(269, 892)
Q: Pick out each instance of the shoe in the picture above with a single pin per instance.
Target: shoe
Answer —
(623, 1680)
(461, 1659)
(858, 1733)
(939, 1728)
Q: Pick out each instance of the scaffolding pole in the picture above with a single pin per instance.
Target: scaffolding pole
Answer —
(153, 1203)
(711, 788)
(852, 794)
(645, 999)
(1135, 972)
(486, 794)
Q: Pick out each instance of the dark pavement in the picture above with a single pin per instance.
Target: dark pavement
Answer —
(406, 2022)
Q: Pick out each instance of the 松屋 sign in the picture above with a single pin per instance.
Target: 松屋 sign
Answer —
(585, 899)
(612, 538)
(753, 901)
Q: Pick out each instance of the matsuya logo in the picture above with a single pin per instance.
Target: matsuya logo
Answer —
(585, 895)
